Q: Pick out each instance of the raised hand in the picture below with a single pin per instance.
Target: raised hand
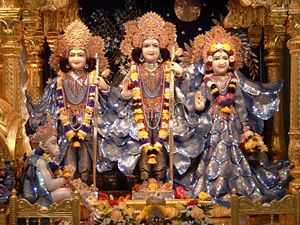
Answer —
(199, 101)
(177, 69)
(127, 88)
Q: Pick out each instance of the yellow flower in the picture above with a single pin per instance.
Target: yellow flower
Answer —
(203, 196)
(213, 48)
(168, 76)
(163, 133)
(134, 76)
(153, 186)
(136, 92)
(226, 47)
(70, 134)
(138, 117)
(157, 146)
(142, 134)
(139, 110)
(103, 207)
(214, 90)
(167, 93)
(81, 135)
(226, 109)
(46, 156)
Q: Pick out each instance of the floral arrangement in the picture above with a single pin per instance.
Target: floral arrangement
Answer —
(193, 213)
(252, 143)
(151, 149)
(72, 133)
(109, 211)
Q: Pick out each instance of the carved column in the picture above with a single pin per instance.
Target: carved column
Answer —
(11, 52)
(294, 47)
(274, 42)
(34, 40)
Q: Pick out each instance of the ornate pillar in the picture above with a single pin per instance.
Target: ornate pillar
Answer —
(33, 41)
(275, 35)
(11, 52)
(294, 133)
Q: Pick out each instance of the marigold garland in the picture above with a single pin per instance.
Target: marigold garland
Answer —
(225, 101)
(143, 135)
(85, 126)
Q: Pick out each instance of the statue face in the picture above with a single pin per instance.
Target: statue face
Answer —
(51, 146)
(150, 50)
(220, 63)
(77, 59)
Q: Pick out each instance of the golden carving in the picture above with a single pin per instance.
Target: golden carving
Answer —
(293, 44)
(290, 204)
(21, 208)
(274, 41)
(56, 22)
(34, 47)
(240, 16)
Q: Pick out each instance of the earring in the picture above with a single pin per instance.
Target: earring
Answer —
(86, 66)
(159, 59)
(68, 66)
(141, 59)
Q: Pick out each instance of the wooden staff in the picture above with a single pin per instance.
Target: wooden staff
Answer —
(95, 124)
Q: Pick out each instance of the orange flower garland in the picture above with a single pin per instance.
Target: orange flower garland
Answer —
(139, 117)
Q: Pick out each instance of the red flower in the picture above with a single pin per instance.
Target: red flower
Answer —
(192, 202)
(136, 187)
(179, 192)
(103, 196)
(113, 202)
(130, 86)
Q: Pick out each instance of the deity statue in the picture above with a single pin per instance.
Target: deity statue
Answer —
(139, 136)
(42, 181)
(72, 97)
(234, 109)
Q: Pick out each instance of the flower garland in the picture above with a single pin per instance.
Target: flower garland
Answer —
(225, 101)
(143, 136)
(54, 167)
(85, 127)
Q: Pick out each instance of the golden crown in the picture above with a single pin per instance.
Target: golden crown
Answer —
(78, 36)
(150, 25)
(216, 39)
(44, 132)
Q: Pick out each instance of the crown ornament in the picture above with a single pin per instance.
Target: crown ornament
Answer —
(44, 132)
(217, 39)
(152, 26)
(78, 36)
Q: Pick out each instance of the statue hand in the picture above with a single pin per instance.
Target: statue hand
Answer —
(177, 69)
(199, 101)
(98, 80)
(127, 88)
(69, 171)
